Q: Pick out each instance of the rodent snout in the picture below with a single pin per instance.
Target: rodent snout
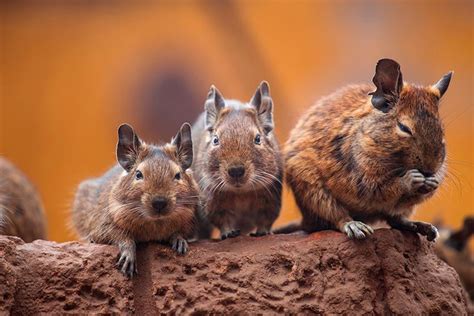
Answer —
(236, 172)
(159, 203)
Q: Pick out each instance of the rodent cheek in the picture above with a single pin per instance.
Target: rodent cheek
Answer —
(146, 199)
(250, 169)
(264, 159)
(172, 203)
(223, 169)
(129, 192)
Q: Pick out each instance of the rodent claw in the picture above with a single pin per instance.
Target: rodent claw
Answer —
(430, 184)
(180, 245)
(414, 180)
(358, 230)
(358, 233)
(365, 228)
(120, 261)
(126, 264)
(231, 234)
(129, 268)
(349, 233)
(260, 233)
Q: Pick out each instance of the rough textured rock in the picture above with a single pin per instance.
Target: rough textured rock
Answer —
(322, 273)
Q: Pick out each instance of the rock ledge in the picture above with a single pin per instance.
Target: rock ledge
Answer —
(322, 273)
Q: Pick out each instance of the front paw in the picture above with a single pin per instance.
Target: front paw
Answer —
(180, 245)
(413, 180)
(260, 233)
(127, 262)
(230, 234)
(429, 185)
(358, 230)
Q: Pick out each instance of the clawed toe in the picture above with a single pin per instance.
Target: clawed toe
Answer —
(127, 265)
(259, 233)
(414, 179)
(180, 245)
(430, 184)
(231, 234)
(357, 230)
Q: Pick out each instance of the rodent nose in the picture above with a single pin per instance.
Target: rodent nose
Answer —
(236, 171)
(159, 203)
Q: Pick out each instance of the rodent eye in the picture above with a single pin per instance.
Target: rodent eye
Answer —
(177, 176)
(405, 128)
(258, 139)
(215, 140)
(138, 175)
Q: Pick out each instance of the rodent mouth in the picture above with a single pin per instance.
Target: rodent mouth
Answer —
(236, 183)
(154, 215)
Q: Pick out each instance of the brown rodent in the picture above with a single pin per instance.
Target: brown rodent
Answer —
(458, 240)
(150, 195)
(21, 210)
(358, 156)
(238, 163)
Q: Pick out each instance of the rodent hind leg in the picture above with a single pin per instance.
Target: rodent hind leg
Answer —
(264, 227)
(319, 206)
(127, 259)
(422, 228)
(179, 244)
(265, 219)
(227, 225)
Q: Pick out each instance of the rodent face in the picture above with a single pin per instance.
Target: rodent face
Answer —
(405, 131)
(154, 185)
(155, 182)
(420, 130)
(240, 155)
(411, 135)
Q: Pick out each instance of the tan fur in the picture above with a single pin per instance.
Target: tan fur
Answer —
(21, 210)
(117, 209)
(345, 158)
(255, 204)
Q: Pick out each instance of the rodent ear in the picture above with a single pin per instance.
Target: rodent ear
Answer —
(442, 85)
(263, 102)
(214, 104)
(389, 82)
(184, 146)
(128, 146)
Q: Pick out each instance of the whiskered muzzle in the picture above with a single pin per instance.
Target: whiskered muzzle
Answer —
(160, 204)
(236, 172)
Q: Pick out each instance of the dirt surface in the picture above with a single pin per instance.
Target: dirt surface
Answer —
(322, 273)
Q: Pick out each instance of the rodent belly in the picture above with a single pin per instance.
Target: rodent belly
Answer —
(153, 232)
(241, 212)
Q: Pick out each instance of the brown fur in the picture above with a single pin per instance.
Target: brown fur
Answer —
(21, 210)
(347, 160)
(253, 202)
(117, 208)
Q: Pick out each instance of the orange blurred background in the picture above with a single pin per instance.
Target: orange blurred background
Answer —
(72, 71)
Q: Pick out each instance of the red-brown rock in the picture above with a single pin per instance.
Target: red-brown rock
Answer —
(322, 273)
